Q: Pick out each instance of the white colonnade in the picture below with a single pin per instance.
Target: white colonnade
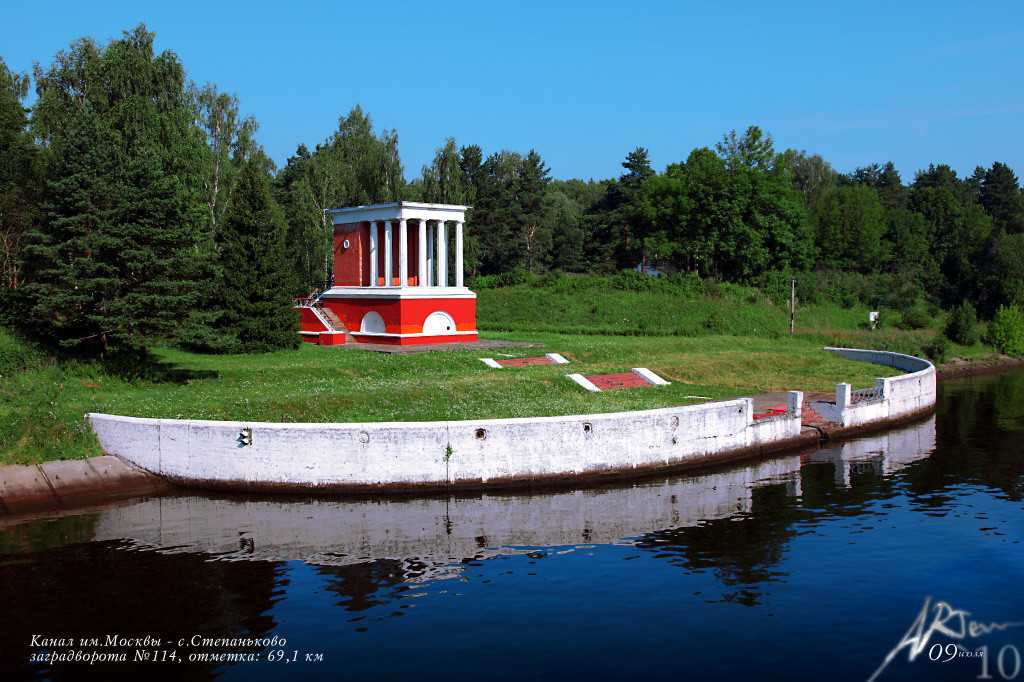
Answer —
(432, 253)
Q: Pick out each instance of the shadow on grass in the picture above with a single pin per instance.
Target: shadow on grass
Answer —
(131, 367)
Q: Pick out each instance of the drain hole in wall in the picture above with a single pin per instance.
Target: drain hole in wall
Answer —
(481, 434)
(587, 428)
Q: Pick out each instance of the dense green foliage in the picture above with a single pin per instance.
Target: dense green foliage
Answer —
(962, 326)
(1006, 331)
(117, 187)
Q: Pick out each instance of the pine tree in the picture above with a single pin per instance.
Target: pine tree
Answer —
(256, 293)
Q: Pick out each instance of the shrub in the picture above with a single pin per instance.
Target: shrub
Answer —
(631, 280)
(962, 326)
(937, 349)
(688, 284)
(915, 318)
(1006, 331)
(714, 323)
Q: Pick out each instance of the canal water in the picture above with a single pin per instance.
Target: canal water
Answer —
(897, 556)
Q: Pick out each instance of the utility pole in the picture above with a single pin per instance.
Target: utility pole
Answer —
(792, 306)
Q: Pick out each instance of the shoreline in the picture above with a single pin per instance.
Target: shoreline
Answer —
(76, 483)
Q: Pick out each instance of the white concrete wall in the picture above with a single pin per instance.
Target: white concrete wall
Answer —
(417, 453)
(900, 396)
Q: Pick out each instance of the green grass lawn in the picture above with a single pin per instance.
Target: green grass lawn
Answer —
(42, 408)
(722, 347)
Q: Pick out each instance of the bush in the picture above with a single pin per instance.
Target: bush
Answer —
(631, 280)
(915, 318)
(937, 349)
(714, 323)
(962, 326)
(1006, 331)
(688, 284)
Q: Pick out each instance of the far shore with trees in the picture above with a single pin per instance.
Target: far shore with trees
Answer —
(141, 224)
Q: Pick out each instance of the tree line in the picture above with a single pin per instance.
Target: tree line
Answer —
(136, 205)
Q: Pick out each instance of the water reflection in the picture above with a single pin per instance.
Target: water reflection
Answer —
(849, 539)
(426, 539)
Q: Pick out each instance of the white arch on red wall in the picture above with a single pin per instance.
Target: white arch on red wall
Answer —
(438, 322)
(372, 323)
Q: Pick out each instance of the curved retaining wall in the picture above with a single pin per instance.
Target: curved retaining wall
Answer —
(893, 398)
(269, 456)
(407, 455)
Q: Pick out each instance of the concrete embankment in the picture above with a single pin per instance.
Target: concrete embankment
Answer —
(72, 483)
(376, 457)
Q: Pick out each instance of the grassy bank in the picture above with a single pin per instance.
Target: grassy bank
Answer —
(734, 343)
(42, 406)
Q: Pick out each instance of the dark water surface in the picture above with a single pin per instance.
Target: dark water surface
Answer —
(809, 567)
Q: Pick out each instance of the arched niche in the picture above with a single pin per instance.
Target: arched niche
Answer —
(438, 323)
(372, 323)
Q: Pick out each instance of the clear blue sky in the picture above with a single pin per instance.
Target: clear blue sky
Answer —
(584, 83)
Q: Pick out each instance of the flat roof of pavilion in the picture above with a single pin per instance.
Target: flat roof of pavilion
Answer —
(399, 210)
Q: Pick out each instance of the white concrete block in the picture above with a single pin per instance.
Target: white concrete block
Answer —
(490, 362)
(556, 358)
(649, 376)
(584, 382)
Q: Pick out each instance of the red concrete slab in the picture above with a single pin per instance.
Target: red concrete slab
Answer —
(24, 486)
(522, 362)
(772, 411)
(613, 381)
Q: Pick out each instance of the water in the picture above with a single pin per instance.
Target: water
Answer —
(805, 567)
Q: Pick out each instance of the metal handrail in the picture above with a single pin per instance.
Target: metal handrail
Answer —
(862, 394)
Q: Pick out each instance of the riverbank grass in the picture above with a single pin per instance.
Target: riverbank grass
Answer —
(42, 403)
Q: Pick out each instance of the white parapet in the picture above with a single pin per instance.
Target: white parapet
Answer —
(273, 456)
(892, 397)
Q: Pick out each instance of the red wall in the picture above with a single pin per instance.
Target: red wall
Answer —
(348, 262)
(404, 316)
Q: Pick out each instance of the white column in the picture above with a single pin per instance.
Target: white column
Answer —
(389, 262)
(373, 254)
(442, 255)
(430, 257)
(403, 253)
(422, 281)
(458, 256)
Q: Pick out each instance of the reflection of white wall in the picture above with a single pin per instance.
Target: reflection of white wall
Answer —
(434, 531)
(439, 322)
(886, 453)
(373, 323)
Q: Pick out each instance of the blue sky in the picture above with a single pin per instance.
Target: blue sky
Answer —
(584, 83)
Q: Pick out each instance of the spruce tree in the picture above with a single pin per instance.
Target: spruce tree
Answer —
(257, 288)
(72, 283)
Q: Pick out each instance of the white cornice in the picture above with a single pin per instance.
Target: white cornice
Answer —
(398, 292)
(400, 210)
